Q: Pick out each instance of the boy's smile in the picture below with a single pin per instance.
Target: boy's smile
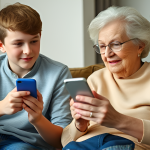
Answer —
(22, 50)
(27, 59)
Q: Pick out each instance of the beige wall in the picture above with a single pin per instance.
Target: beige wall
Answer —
(64, 33)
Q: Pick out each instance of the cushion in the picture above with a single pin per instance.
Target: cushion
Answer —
(85, 71)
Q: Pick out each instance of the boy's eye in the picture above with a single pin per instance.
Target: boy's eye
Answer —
(34, 41)
(17, 44)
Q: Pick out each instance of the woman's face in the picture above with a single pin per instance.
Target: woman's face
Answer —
(125, 62)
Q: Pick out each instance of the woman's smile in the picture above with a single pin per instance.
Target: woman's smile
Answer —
(114, 62)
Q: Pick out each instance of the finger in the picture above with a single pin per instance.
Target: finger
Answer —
(16, 105)
(14, 90)
(98, 118)
(72, 111)
(33, 100)
(71, 102)
(72, 108)
(31, 105)
(89, 118)
(16, 100)
(77, 116)
(88, 100)
(88, 113)
(28, 109)
(20, 94)
(96, 95)
(86, 107)
(40, 98)
(84, 113)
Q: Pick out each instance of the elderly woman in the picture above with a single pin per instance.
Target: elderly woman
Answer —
(122, 90)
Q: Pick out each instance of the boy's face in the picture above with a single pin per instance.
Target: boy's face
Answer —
(22, 51)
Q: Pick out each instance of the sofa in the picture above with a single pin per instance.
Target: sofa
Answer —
(85, 71)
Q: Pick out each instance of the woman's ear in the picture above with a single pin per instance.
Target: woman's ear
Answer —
(2, 47)
(141, 47)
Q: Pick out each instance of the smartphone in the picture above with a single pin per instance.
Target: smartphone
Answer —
(77, 86)
(24, 84)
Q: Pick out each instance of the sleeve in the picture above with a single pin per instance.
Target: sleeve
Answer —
(59, 107)
(146, 132)
(71, 133)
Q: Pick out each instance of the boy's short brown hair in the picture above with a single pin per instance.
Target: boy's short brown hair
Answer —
(19, 17)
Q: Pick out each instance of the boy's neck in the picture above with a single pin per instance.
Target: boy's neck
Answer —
(20, 72)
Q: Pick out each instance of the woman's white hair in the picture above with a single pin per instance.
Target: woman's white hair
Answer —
(136, 25)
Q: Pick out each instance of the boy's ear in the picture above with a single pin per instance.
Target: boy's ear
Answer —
(2, 47)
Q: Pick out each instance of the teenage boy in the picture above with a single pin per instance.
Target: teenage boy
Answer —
(27, 122)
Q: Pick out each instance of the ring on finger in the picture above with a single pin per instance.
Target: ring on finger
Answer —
(91, 114)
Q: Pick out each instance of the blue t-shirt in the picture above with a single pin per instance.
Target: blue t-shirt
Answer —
(49, 76)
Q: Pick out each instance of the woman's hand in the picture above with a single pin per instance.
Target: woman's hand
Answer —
(34, 107)
(80, 123)
(13, 102)
(102, 111)
(104, 114)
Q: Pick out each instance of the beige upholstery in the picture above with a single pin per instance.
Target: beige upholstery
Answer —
(85, 71)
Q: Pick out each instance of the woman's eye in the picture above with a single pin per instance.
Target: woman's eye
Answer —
(116, 44)
(102, 46)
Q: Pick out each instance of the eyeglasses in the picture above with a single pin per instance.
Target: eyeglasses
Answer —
(114, 46)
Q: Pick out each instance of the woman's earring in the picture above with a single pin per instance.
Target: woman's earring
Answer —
(139, 55)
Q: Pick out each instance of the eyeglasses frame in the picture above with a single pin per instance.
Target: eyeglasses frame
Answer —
(97, 45)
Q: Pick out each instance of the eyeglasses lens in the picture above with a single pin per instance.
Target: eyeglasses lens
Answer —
(115, 46)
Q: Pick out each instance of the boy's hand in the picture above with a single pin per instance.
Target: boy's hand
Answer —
(34, 107)
(13, 102)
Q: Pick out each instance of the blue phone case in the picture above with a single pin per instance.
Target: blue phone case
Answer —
(24, 84)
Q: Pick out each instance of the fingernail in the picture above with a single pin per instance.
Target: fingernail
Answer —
(77, 97)
(28, 92)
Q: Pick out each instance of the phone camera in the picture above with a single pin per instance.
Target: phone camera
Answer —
(19, 81)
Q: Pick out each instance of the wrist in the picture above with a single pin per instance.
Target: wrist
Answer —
(38, 121)
(123, 120)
